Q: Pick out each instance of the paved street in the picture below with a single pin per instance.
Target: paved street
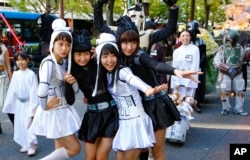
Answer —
(209, 138)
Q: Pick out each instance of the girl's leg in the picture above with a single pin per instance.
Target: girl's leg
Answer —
(70, 143)
(66, 147)
(90, 150)
(158, 149)
(58, 154)
(104, 148)
(132, 154)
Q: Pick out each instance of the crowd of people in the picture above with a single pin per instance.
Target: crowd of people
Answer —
(122, 82)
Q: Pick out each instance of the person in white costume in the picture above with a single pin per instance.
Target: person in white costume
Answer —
(229, 61)
(21, 100)
(185, 58)
(134, 123)
(5, 76)
(55, 118)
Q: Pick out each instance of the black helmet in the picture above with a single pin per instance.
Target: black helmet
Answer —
(81, 41)
(193, 27)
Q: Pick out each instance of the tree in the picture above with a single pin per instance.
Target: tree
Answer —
(48, 6)
(158, 12)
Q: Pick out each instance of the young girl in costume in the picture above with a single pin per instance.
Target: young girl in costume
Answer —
(5, 76)
(159, 107)
(135, 130)
(54, 118)
(22, 101)
(100, 121)
(186, 57)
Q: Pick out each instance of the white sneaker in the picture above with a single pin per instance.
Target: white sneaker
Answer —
(22, 150)
(31, 151)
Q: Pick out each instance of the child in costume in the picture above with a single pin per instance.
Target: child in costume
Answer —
(55, 118)
(22, 101)
(134, 123)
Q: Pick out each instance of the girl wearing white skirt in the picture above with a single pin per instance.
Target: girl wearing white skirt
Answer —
(135, 130)
(56, 119)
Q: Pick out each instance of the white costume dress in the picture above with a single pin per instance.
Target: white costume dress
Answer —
(22, 101)
(4, 78)
(186, 58)
(135, 126)
(62, 120)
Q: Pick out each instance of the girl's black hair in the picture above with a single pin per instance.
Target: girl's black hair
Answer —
(21, 54)
(63, 36)
(107, 49)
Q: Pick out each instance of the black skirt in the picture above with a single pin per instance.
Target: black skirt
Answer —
(102, 123)
(162, 111)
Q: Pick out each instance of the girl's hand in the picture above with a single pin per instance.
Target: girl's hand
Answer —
(52, 103)
(69, 78)
(187, 74)
(85, 100)
(151, 91)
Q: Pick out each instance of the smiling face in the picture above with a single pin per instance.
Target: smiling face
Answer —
(129, 42)
(21, 63)
(109, 61)
(82, 58)
(185, 38)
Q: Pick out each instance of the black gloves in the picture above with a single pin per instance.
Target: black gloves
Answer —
(170, 2)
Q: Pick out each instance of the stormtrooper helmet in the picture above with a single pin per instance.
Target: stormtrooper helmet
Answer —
(137, 15)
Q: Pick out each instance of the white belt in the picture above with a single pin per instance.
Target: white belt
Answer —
(131, 112)
(23, 100)
(62, 104)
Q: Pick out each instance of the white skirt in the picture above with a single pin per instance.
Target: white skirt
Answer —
(55, 123)
(134, 133)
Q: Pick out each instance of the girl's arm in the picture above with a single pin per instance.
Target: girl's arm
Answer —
(98, 17)
(126, 74)
(45, 75)
(162, 67)
(7, 64)
(169, 29)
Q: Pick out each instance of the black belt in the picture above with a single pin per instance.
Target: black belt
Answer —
(101, 106)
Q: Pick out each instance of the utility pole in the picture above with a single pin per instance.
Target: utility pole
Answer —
(61, 11)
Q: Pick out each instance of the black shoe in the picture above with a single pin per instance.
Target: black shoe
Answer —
(197, 109)
(1, 129)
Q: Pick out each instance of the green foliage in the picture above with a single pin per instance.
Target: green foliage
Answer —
(157, 8)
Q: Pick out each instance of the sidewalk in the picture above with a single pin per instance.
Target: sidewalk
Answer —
(211, 133)
(209, 137)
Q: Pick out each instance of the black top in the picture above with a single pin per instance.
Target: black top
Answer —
(86, 77)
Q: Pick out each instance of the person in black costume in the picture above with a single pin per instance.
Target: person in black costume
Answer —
(45, 30)
(100, 121)
(193, 27)
(159, 107)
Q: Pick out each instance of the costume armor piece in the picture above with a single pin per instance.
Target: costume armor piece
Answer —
(137, 15)
(229, 60)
